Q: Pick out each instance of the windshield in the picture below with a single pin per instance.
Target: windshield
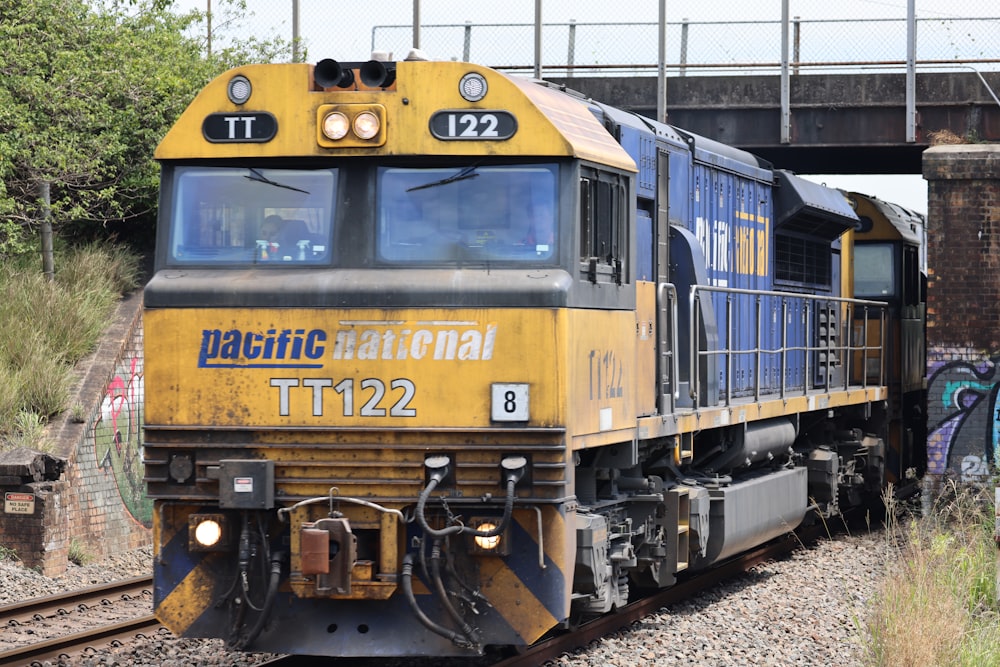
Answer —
(874, 272)
(473, 213)
(271, 217)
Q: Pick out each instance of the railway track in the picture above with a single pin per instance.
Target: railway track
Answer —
(548, 651)
(59, 610)
(64, 626)
(591, 631)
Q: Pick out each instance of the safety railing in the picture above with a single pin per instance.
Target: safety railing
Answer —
(821, 343)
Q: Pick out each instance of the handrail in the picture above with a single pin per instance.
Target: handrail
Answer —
(667, 294)
(842, 346)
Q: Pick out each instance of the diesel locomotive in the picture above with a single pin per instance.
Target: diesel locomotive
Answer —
(440, 360)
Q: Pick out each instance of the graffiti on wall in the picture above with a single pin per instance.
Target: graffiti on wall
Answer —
(964, 418)
(118, 435)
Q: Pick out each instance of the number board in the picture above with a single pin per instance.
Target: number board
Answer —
(510, 402)
(468, 125)
(252, 127)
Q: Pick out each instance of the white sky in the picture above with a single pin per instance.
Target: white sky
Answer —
(907, 190)
(343, 31)
(349, 20)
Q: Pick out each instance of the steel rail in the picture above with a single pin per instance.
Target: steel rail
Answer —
(50, 607)
(56, 605)
(551, 649)
(77, 643)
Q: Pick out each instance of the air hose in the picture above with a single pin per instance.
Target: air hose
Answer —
(407, 582)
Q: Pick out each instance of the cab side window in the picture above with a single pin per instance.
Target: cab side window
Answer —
(603, 227)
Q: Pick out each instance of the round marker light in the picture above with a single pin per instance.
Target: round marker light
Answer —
(472, 87)
(336, 125)
(366, 125)
(239, 89)
(487, 543)
(208, 533)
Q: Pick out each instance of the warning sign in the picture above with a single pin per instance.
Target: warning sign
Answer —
(18, 503)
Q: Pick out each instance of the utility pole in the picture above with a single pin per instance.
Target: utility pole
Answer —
(661, 66)
(538, 39)
(416, 24)
(208, 31)
(48, 264)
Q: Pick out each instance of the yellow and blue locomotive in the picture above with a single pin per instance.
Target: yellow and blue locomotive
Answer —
(440, 359)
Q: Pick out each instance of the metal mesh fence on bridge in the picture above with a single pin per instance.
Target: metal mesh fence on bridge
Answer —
(623, 37)
(703, 47)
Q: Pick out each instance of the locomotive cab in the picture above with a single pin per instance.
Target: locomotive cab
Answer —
(889, 245)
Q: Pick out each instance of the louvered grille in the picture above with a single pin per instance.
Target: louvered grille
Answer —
(370, 470)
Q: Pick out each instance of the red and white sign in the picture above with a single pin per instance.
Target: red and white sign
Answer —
(18, 503)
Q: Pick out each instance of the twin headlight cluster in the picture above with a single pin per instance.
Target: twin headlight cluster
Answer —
(350, 125)
(365, 125)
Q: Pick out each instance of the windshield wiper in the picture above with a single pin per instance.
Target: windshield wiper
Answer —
(468, 172)
(261, 178)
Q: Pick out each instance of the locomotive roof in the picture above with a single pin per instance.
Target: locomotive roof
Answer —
(909, 224)
(549, 123)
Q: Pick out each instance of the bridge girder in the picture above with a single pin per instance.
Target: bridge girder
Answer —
(840, 123)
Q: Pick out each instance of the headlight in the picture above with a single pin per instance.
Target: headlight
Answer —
(366, 125)
(487, 543)
(208, 532)
(336, 125)
(497, 545)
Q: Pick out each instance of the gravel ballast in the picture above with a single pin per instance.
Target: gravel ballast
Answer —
(806, 609)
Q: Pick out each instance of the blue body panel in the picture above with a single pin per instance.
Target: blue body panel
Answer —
(728, 200)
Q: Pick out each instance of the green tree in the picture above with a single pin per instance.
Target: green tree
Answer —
(87, 89)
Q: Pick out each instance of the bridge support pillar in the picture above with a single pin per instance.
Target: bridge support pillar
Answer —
(963, 311)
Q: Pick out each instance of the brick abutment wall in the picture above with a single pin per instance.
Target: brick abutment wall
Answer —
(89, 494)
(963, 310)
(34, 523)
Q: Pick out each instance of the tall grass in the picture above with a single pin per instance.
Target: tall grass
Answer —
(938, 603)
(46, 327)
